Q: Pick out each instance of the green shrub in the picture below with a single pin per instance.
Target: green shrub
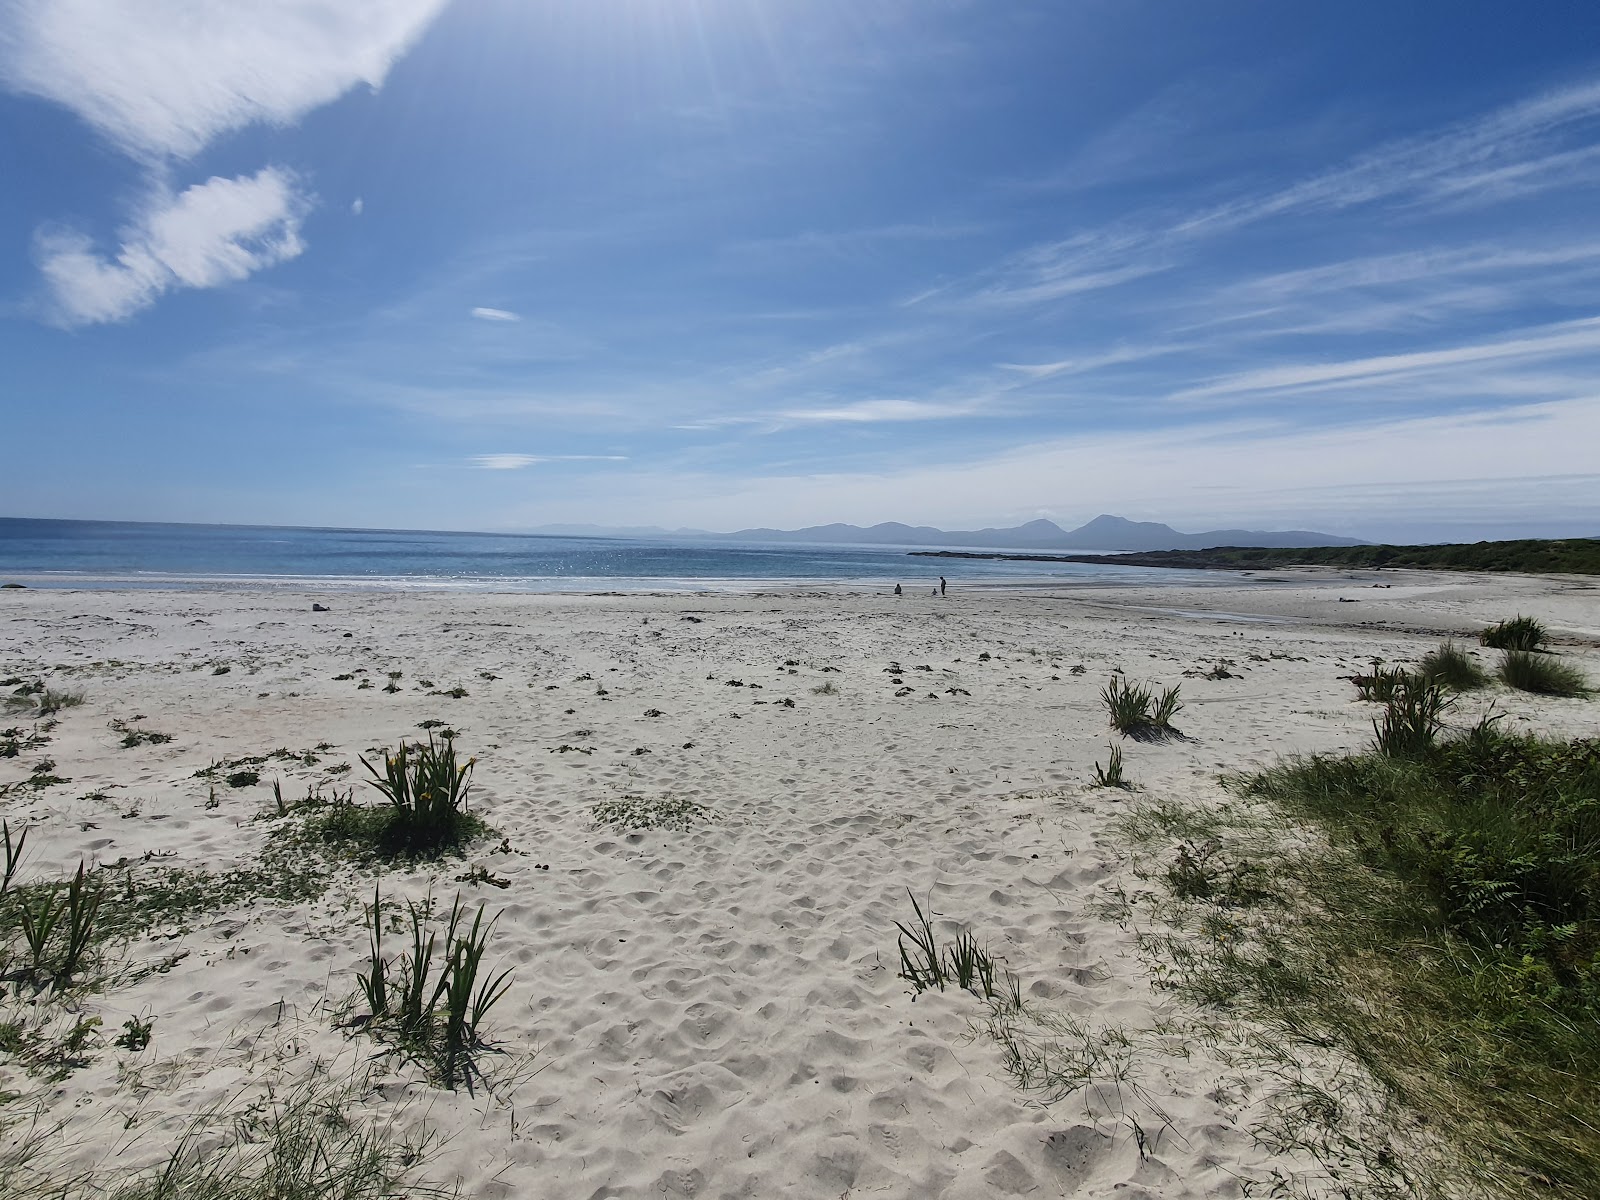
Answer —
(1515, 633)
(1547, 676)
(1451, 667)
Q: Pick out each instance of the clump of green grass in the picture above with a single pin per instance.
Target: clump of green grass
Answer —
(432, 1011)
(57, 924)
(1202, 872)
(1110, 776)
(1542, 674)
(1138, 713)
(925, 964)
(298, 1143)
(426, 787)
(1451, 667)
(13, 846)
(640, 812)
(34, 697)
(1381, 684)
(1450, 942)
(14, 741)
(1515, 633)
(1412, 717)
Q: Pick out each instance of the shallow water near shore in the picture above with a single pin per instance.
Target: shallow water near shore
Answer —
(126, 554)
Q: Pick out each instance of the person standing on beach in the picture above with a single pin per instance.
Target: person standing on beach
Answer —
(942, 585)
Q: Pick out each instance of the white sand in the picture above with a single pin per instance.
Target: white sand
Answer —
(714, 1012)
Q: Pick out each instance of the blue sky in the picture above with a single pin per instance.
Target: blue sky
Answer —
(493, 264)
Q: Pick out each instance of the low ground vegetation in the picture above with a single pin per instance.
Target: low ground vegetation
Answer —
(1542, 674)
(1137, 712)
(1515, 633)
(641, 812)
(1452, 667)
(431, 1008)
(1447, 938)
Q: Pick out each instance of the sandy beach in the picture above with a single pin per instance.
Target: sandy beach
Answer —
(716, 1010)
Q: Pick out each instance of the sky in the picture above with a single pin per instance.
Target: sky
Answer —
(496, 264)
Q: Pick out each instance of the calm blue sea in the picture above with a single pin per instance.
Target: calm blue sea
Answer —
(126, 554)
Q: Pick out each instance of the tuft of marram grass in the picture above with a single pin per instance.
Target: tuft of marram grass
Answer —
(1137, 712)
(1542, 674)
(1452, 667)
(1111, 776)
(1515, 633)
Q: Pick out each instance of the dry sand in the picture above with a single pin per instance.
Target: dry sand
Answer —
(711, 1012)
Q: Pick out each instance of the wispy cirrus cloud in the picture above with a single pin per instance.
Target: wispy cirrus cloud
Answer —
(1520, 141)
(162, 79)
(1553, 343)
(881, 410)
(1543, 143)
(495, 314)
(515, 462)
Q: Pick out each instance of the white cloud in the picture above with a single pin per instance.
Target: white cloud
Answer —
(1552, 342)
(495, 314)
(505, 462)
(1509, 149)
(1516, 150)
(357, 206)
(881, 410)
(216, 232)
(515, 462)
(162, 78)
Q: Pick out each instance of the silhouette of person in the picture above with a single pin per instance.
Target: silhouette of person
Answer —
(897, 590)
(942, 585)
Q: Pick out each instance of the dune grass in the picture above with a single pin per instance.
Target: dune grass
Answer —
(298, 1142)
(1137, 712)
(1452, 667)
(1542, 674)
(1111, 776)
(427, 788)
(926, 964)
(1448, 940)
(1515, 633)
(432, 1010)
(1413, 715)
(35, 698)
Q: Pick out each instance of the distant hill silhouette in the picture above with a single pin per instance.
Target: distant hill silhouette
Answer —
(1103, 533)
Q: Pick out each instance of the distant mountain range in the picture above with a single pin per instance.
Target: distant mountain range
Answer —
(1102, 533)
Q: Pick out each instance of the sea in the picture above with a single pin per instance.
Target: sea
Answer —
(136, 554)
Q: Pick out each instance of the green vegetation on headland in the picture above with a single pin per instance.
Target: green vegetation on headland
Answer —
(1532, 556)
